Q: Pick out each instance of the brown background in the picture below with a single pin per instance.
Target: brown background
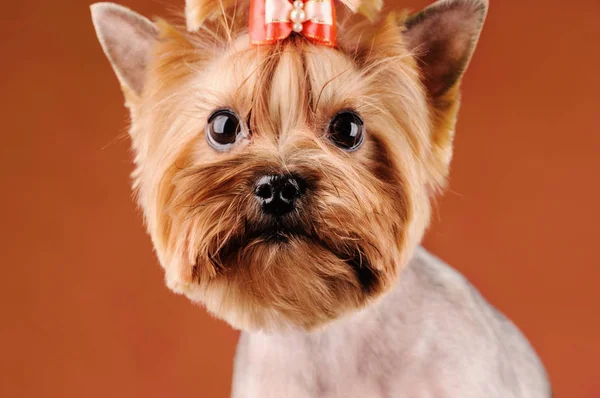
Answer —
(84, 312)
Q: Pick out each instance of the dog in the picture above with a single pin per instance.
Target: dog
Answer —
(286, 157)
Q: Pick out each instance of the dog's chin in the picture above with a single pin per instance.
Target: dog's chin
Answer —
(277, 279)
(279, 237)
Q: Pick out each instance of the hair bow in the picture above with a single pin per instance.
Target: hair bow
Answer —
(274, 20)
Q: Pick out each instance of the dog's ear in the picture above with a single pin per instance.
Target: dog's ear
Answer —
(443, 37)
(127, 39)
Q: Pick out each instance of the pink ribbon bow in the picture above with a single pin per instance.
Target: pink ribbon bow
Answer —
(274, 20)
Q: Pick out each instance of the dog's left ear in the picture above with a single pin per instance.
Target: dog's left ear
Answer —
(127, 39)
(443, 37)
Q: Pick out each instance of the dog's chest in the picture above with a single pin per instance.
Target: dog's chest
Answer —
(324, 368)
(351, 362)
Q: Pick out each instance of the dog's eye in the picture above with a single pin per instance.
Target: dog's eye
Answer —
(222, 129)
(347, 130)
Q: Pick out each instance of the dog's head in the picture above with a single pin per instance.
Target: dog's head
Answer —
(287, 184)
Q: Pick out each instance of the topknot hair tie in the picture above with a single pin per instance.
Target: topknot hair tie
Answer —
(275, 20)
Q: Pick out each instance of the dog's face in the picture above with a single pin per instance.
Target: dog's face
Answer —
(287, 185)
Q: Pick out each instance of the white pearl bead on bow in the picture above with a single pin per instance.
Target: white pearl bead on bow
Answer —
(298, 16)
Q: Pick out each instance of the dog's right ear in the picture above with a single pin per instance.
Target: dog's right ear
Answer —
(127, 39)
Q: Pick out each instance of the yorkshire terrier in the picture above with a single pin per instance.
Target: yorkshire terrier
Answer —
(286, 155)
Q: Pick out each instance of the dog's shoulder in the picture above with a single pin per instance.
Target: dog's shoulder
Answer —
(430, 281)
(450, 300)
(434, 273)
(457, 322)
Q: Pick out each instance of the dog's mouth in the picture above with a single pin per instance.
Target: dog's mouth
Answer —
(282, 234)
(279, 230)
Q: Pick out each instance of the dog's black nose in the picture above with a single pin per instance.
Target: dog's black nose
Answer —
(277, 194)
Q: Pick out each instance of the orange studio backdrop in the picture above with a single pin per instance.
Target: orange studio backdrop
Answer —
(85, 312)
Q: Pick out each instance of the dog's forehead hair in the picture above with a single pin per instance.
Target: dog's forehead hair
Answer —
(293, 87)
